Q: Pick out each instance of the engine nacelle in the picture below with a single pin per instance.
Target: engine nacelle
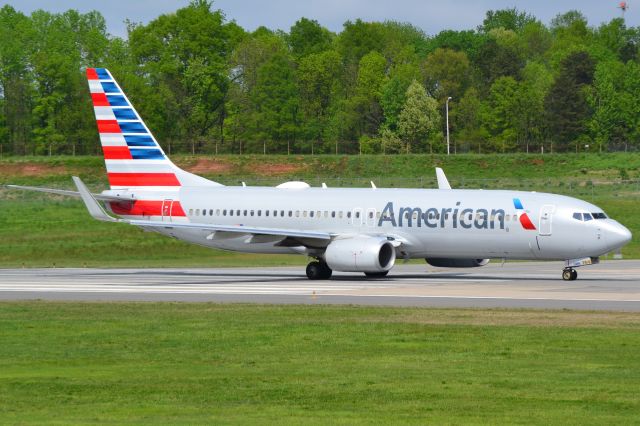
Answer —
(457, 263)
(360, 254)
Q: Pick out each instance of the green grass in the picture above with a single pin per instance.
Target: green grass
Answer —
(67, 363)
(38, 230)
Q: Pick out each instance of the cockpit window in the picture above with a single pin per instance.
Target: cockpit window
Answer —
(587, 217)
(599, 215)
(577, 216)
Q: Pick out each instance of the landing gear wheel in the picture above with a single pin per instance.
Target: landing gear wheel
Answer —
(376, 274)
(318, 271)
(569, 274)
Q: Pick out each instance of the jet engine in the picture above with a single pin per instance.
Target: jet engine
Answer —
(457, 263)
(360, 254)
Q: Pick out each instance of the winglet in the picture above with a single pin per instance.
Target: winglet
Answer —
(92, 205)
(443, 183)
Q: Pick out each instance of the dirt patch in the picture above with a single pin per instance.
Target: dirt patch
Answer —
(276, 169)
(31, 169)
(537, 162)
(207, 166)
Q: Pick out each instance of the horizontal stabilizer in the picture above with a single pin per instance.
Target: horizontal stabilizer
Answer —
(99, 197)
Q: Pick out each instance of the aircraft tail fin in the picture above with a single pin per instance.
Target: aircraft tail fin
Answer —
(132, 155)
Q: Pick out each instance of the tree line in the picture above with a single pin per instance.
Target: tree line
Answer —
(204, 84)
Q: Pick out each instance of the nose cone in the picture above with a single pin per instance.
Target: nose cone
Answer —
(617, 236)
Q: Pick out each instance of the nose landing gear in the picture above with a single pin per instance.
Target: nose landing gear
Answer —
(569, 274)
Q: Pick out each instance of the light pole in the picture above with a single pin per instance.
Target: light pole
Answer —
(447, 114)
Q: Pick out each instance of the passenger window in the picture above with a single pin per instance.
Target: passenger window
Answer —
(378, 215)
(244, 213)
(190, 212)
(326, 214)
(290, 213)
(230, 212)
(311, 213)
(197, 212)
(340, 214)
(251, 212)
(507, 218)
(348, 215)
(333, 214)
(297, 213)
(357, 215)
(587, 217)
(282, 213)
(577, 216)
(224, 212)
(210, 212)
(259, 212)
(217, 212)
(304, 213)
(204, 212)
(319, 214)
(266, 212)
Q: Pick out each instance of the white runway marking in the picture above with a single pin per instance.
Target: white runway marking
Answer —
(611, 285)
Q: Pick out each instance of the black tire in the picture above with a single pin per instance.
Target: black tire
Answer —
(314, 271)
(376, 274)
(318, 271)
(569, 274)
(326, 271)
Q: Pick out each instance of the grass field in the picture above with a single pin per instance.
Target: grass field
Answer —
(65, 363)
(38, 230)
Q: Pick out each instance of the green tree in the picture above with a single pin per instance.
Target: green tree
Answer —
(172, 50)
(446, 73)
(567, 110)
(509, 19)
(499, 114)
(17, 34)
(318, 77)
(276, 104)
(307, 36)
(419, 120)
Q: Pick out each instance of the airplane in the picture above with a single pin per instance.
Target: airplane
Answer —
(363, 230)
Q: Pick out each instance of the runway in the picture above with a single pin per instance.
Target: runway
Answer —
(613, 285)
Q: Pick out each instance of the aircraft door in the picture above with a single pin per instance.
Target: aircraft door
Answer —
(546, 219)
(167, 206)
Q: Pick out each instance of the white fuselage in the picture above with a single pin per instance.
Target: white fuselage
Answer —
(430, 223)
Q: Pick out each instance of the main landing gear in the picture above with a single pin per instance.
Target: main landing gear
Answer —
(318, 270)
(569, 274)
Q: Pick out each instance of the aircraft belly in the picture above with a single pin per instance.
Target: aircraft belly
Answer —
(470, 244)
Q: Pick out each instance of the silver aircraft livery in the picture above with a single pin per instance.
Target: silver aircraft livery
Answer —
(351, 230)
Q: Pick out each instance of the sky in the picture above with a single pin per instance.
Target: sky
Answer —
(429, 15)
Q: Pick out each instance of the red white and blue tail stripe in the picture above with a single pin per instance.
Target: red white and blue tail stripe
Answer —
(133, 157)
